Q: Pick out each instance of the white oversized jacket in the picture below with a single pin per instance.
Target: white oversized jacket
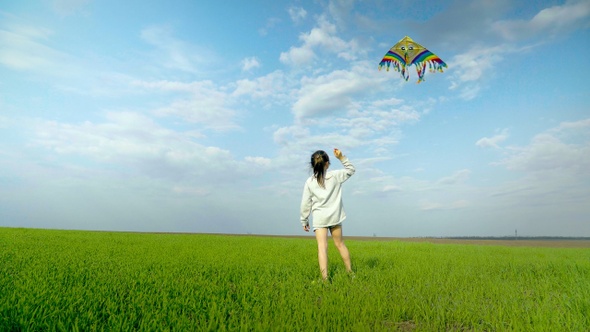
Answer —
(325, 204)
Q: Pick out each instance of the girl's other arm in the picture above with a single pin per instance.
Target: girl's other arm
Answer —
(305, 208)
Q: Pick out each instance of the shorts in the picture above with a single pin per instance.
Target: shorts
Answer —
(329, 227)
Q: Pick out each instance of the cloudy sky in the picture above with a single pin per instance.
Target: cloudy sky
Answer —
(200, 116)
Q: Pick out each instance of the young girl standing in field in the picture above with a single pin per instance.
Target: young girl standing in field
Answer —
(322, 197)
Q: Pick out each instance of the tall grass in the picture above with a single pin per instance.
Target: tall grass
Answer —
(84, 281)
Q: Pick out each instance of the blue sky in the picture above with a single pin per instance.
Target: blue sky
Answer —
(200, 116)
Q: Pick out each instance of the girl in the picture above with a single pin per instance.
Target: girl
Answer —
(322, 196)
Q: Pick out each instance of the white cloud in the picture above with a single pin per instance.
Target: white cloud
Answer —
(204, 104)
(551, 21)
(259, 161)
(373, 182)
(22, 47)
(429, 206)
(492, 142)
(470, 91)
(270, 24)
(390, 188)
(250, 63)
(471, 68)
(174, 53)
(564, 149)
(333, 92)
(273, 85)
(131, 142)
(69, 7)
(297, 14)
(208, 110)
(572, 127)
(36, 50)
(387, 102)
(476, 62)
(511, 190)
(289, 135)
(298, 56)
(376, 123)
(324, 39)
(550, 176)
(166, 85)
(549, 153)
(296, 139)
(29, 31)
(334, 106)
(447, 193)
(458, 177)
(327, 94)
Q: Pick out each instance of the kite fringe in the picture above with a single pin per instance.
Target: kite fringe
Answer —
(397, 66)
(433, 66)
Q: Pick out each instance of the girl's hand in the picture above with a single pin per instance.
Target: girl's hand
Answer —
(306, 228)
(338, 153)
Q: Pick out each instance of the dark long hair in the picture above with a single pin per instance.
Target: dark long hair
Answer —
(319, 159)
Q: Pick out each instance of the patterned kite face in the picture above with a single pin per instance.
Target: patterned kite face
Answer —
(406, 53)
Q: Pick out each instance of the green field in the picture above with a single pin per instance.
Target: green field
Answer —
(74, 280)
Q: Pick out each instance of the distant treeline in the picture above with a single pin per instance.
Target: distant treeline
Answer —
(538, 238)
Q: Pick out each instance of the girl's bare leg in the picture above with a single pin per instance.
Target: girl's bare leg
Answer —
(339, 242)
(321, 235)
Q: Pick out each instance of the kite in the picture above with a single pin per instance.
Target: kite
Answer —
(406, 53)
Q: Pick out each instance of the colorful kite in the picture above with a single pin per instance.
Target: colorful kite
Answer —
(406, 53)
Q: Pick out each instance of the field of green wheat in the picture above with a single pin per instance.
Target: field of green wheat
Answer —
(105, 281)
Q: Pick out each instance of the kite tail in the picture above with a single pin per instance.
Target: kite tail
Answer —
(397, 66)
(420, 69)
(405, 74)
(388, 64)
(384, 63)
(437, 65)
(403, 70)
(433, 66)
